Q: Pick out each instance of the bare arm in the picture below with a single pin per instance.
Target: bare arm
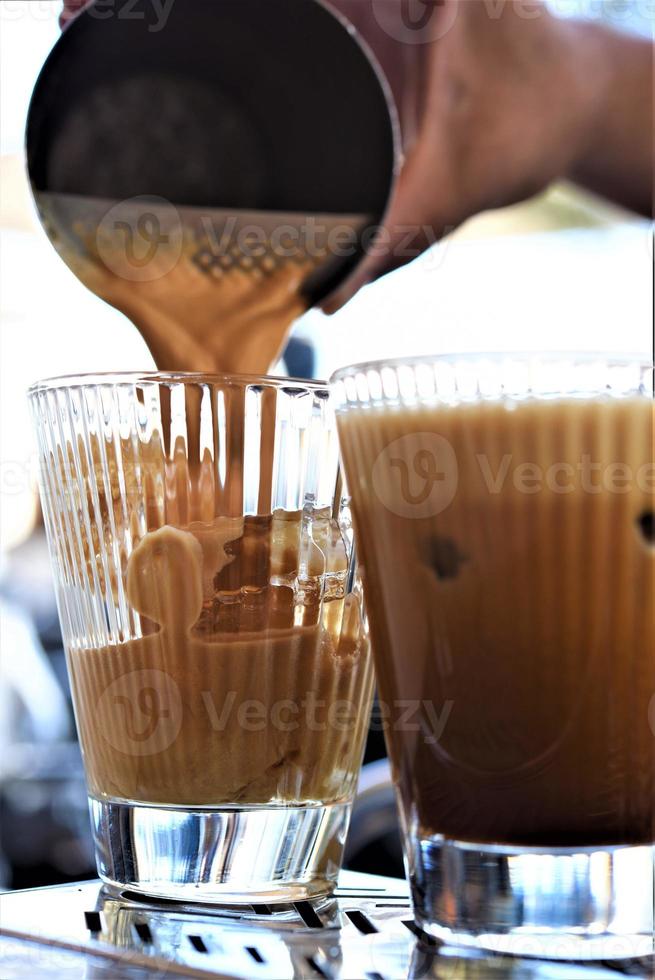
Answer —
(616, 159)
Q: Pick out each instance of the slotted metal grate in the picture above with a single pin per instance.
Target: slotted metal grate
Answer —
(365, 931)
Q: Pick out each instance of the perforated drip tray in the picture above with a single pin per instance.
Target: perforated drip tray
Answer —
(365, 931)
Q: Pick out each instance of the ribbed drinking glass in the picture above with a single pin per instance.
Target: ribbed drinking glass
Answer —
(216, 643)
(504, 514)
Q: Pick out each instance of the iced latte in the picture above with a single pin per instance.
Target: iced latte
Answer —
(508, 549)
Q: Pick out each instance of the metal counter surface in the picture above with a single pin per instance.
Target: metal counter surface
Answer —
(364, 931)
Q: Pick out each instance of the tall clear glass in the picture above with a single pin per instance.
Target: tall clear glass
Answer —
(504, 512)
(217, 650)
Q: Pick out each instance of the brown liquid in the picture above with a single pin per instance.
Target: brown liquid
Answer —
(526, 619)
(239, 695)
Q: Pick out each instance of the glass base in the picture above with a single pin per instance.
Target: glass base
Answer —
(557, 904)
(231, 855)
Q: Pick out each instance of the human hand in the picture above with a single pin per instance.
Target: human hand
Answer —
(497, 98)
(495, 101)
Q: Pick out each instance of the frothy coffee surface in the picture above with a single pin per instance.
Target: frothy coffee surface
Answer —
(510, 584)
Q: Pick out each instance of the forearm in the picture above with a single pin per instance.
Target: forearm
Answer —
(615, 157)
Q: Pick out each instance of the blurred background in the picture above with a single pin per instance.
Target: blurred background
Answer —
(562, 271)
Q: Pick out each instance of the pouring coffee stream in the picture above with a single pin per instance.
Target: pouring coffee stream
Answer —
(209, 291)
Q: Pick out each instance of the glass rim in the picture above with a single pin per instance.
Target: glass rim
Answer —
(583, 357)
(114, 378)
